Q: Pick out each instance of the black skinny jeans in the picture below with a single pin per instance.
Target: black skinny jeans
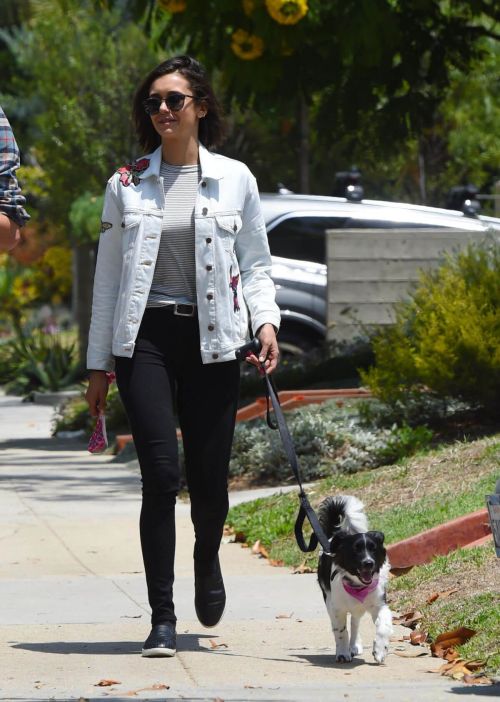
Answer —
(166, 374)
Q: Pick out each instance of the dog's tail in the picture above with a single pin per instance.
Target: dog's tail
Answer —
(342, 512)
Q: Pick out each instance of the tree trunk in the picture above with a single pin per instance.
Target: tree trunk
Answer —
(304, 143)
(83, 281)
(422, 179)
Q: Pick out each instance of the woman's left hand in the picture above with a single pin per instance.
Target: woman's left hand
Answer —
(269, 353)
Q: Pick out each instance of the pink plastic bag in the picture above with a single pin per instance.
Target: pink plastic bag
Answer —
(98, 442)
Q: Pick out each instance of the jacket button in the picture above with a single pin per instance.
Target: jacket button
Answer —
(215, 355)
(123, 225)
(211, 327)
(204, 211)
(235, 227)
(209, 268)
(203, 184)
(208, 240)
(210, 296)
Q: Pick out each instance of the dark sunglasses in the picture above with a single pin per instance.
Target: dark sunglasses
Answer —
(174, 102)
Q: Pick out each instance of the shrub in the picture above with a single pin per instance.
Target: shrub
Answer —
(328, 438)
(39, 362)
(446, 338)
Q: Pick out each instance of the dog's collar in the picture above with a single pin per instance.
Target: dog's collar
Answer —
(360, 592)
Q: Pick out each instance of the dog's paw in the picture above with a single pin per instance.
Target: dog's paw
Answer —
(343, 658)
(357, 649)
(380, 652)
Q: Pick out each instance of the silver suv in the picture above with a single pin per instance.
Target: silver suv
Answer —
(296, 227)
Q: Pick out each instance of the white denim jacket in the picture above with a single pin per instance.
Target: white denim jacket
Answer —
(232, 258)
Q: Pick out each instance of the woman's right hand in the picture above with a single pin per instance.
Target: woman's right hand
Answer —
(97, 392)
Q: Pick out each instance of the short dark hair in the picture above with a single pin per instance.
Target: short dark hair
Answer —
(212, 129)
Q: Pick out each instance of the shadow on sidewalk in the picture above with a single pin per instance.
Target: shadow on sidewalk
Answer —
(41, 443)
(185, 642)
(327, 660)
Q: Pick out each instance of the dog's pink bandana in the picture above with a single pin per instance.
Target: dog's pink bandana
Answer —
(360, 593)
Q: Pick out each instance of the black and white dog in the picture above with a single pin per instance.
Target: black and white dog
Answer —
(353, 579)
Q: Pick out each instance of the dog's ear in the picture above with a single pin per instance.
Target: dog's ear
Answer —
(377, 536)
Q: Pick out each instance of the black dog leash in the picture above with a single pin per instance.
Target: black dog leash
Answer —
(305, 510)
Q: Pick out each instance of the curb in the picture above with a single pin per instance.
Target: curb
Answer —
(470, 530)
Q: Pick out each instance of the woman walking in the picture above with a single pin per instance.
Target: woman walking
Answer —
(183, 267)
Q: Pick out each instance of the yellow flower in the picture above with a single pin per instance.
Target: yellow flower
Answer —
(287, 11)
(246, 46)
(248, 7)
(172, 6)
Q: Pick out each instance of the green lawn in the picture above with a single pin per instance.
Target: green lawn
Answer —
(417, 494)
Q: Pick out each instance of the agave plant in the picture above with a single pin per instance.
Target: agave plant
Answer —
(42, 362)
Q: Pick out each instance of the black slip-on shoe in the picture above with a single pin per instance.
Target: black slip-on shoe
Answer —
(161, 642)
(209, 594)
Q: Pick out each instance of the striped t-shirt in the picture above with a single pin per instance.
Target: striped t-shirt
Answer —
(174, 279)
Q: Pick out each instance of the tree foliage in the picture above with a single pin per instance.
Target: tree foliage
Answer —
(82, 63)
(390, 58)
(472, 112)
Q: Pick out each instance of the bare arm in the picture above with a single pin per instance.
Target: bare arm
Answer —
(9, 233)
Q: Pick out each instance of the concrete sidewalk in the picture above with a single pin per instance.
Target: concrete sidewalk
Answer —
(73, 604)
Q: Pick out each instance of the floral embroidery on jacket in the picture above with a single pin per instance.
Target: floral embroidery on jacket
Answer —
(131, 172)
(233, 284)
(105, 226)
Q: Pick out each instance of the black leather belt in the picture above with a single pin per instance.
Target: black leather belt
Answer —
(184, 310)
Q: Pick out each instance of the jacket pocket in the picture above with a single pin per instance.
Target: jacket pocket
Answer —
(228, 226)
(130, 227)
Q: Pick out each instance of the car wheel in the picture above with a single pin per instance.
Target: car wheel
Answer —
(294, 344)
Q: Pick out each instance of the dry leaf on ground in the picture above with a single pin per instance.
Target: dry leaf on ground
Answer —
(107, 683)
(412, 653)
(409, 619)
(450, 639)
(214, 644)
(259, 549)
(276, 563)
(461, 669)
(302, 568)
(439, 595)
(477, 680)
(284, 616)
(418, 637)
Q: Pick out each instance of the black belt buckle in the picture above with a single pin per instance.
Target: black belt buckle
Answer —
(184, 310)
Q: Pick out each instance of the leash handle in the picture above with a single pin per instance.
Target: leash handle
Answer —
(253, 347)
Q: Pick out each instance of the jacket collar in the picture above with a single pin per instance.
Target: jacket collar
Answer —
(210, 164)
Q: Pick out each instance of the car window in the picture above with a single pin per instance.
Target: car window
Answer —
(302, 238)
(386, 224)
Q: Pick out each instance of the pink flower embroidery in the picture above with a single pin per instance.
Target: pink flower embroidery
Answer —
(233, 284)
(131, 172)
